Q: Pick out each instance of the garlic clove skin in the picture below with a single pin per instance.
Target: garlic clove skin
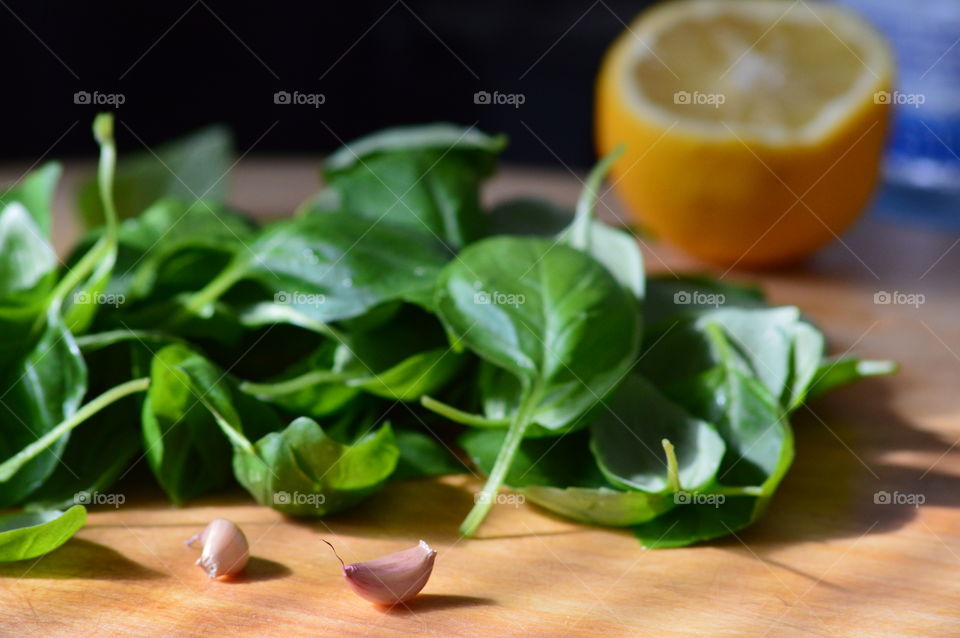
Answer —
(393, 579)
(225, 549)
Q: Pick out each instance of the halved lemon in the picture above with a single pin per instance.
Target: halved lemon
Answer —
(753, 128)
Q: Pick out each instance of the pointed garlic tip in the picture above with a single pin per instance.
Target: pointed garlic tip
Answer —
(225, 549)
(392, 579)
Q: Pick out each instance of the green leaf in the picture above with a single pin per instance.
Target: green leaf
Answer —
(186, 450)
(688, 524)
(537, 309)
(301, 471)
(425, 178)
(35, 192)
(404, 358)
(27, 261)
(414, 377)
(837, 372)
(190, 168)
(759, 442)
(548, 314)
(561, 475)
(39, 392)
(782, 351)
(174, 246)
(614, 248)
(626, 440)
(32, 534)
(333, 267)
(562, 461)
(312, 386)
(102, 447)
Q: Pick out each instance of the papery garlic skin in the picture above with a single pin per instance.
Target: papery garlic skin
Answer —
(225, 548)
(393, 579)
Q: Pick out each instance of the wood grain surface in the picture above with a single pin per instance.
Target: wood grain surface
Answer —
(827, 560)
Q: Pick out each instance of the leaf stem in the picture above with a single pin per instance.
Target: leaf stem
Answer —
(106, 246)
(94, 341)
(673, 467)
(103, 132)
(578, 235)
(288, 386)
(459, 416)
(12, 465)
(511, 443)
(745, 490)
(214, 289)
(236, 437)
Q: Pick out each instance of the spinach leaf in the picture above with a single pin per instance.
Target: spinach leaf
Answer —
(836, 372)
(783, 351)
(697, 522)
(616, 250)
(43, 389)
(302, 471)
(190, 168)
(332, 267)
(546, 313)
(778, 347)
(35, 192)
(612, 247)
(174, 246)
(561, 475)
(31, 534)
(184, 445)
(27, 261)
(313, 386)
(425, 178)
(412, 378)
(96, 455)
(626, 440)
(759, 442)
(403, 359)
(105, 444)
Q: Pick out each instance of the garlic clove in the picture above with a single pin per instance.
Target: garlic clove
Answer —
(225, 549)
(393, 579)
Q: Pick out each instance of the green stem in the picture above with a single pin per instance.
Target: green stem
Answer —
(746, 490)
(107, 244)
(103, 132)
(104, 246)
(236, 437)
(97, 340)
(578, 235)
(289, 386)
(12, 465)
(501, 466)
(459, 416)
(673, 467)
(214, 289)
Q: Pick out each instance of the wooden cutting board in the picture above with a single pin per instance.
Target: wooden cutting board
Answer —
(827, 560)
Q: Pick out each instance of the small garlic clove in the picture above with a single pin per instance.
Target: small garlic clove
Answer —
(225, 549)
(393, 579)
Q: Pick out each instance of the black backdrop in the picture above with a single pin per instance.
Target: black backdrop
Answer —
(179, 65)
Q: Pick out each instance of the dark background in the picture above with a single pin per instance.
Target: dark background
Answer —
(180, 65)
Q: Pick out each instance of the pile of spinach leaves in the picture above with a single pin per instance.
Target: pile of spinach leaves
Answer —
(392, 328)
